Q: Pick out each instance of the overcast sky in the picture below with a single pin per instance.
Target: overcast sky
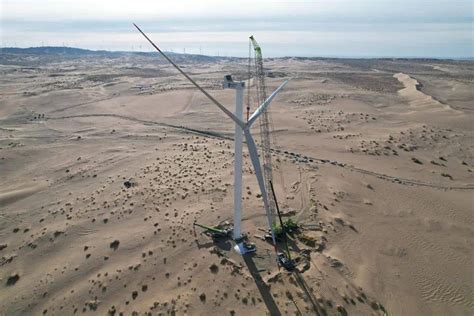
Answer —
(342, 28)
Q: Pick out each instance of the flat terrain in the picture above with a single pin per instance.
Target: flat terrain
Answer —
(107, 161)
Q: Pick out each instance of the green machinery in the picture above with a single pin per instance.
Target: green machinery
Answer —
(216, 232)
(264, 120)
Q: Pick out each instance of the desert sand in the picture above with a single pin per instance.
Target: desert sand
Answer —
(106, 162)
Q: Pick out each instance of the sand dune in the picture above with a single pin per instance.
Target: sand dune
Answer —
(104, 170)
(416, 98)
(15, 195)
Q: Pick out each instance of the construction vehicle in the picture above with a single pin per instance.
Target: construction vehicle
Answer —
(247, 245)
(224, 231)
(265, 119)
(285, 262)
(216, 232)
(284, 258)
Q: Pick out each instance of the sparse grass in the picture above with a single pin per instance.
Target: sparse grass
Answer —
(289, 225)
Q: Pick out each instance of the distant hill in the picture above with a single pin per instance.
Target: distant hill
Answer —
(53, 50)
(80, 52)
(71, 52)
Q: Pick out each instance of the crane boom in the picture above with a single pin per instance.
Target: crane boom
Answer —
(265, 122)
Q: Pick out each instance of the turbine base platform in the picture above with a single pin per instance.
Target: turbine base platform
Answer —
(244, 247)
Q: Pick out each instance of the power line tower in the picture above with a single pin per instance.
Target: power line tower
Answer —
(265, 119)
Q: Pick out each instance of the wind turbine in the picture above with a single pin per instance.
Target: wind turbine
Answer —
(241, 127)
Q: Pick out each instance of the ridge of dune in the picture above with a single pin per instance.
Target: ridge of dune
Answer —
(417, 98)
(12, 196)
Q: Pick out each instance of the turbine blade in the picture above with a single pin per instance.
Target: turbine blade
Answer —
(261, 182)
(223, 108)
(265, 104)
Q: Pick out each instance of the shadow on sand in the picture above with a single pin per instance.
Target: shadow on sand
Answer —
(317, 309)
(262, 287)
(307, 290)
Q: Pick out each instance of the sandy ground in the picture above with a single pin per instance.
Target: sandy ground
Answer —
(374, 159)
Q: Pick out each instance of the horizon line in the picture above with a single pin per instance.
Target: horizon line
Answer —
(467, 58)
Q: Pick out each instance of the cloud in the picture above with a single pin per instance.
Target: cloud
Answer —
(323, 10)
(311, 28)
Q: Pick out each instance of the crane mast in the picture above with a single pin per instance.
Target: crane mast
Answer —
(264, 120)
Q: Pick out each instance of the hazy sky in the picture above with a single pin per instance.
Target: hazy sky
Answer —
(363, 28)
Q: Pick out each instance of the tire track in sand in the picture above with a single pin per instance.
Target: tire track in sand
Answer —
(468, 186)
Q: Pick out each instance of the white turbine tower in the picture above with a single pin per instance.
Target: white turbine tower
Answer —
(241, 127)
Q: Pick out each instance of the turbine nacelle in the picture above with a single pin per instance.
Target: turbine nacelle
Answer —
(231, 84)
